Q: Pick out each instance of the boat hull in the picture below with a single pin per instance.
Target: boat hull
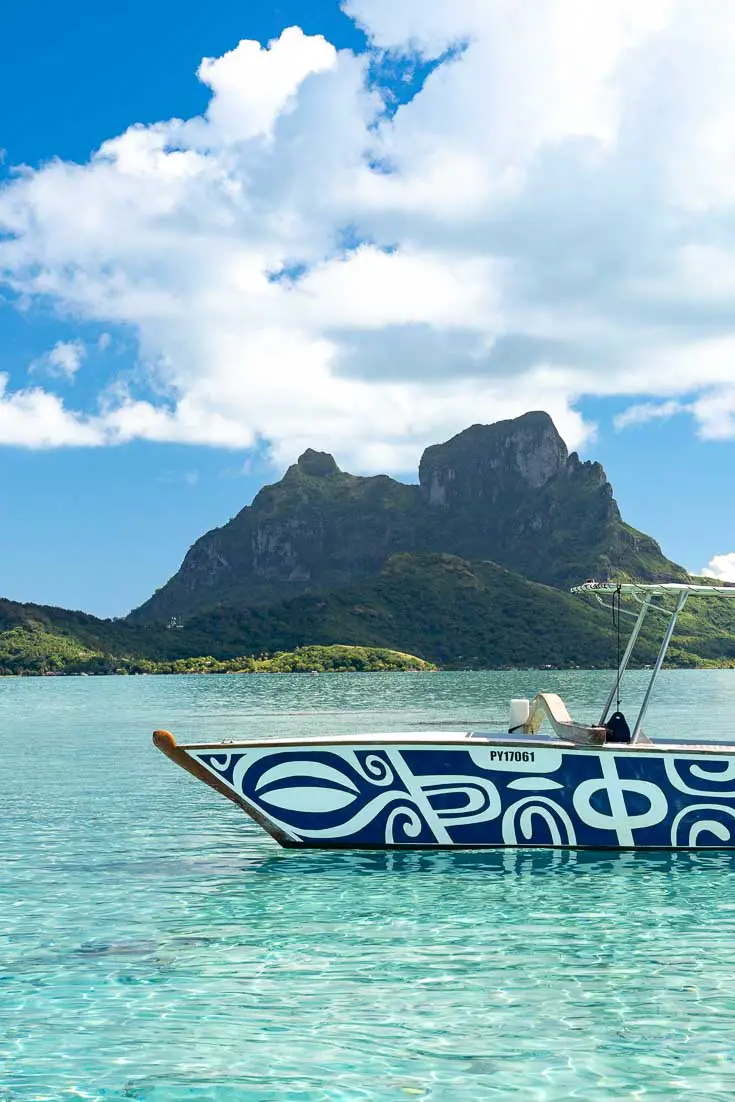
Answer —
(473, 792)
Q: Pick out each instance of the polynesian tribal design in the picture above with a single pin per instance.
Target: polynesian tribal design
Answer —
(483, 795)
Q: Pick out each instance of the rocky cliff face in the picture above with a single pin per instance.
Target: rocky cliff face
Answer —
(490, 463)
(507, 492)
(512, 493)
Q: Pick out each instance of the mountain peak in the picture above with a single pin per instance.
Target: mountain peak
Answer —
(508, 492)
(317, 464)
(492, 461)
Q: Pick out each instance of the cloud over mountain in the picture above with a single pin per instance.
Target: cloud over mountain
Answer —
(550, 216)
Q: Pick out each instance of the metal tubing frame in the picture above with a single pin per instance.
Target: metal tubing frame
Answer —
(659, 663)
(626, 657)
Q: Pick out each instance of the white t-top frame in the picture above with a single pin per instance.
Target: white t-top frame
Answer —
(644, 594)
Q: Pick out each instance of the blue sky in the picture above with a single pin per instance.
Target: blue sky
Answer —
(99, 530)
(178, 404)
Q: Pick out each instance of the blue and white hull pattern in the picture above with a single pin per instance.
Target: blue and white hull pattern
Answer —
(459, 790)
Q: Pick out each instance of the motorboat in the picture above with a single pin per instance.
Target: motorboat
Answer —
(545, 780)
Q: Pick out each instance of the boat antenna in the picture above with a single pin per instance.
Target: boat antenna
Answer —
(616, 600)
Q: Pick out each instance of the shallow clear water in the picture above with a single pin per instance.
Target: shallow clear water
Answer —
(155, 946)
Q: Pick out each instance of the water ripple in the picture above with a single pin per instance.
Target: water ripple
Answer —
(154, 946)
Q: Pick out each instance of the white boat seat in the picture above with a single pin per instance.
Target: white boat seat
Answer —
(551, 706)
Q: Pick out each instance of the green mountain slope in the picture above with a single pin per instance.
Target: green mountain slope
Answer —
(444, 609)
(457, 614)
(38, 640)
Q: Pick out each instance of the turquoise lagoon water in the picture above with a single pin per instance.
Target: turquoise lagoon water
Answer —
(155, 946)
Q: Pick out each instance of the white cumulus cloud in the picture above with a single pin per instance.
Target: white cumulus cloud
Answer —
(644, 412)
(63, 360)
(550, 217)
(721, 567)
(33, 418)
